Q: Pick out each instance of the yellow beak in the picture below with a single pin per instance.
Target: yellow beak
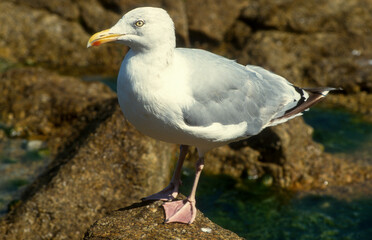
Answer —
(102, 37)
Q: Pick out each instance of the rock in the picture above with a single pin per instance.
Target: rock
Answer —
(109, 167)
(95, 17)
(33, 36)
(296, 161)
(42, 33)
(67, 9)
(211, 19)
(310, 16)
(227, 161)
(284, 155)
(319, 59)
(101, 162)
(42, 104)
(34, 145)
(309, 43)
(146, 221)
(2, 135)
(177, 11)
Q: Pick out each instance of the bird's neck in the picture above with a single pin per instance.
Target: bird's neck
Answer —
(157, 58)
(144, 69)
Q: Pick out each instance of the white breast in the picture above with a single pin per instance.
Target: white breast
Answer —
(152, 104)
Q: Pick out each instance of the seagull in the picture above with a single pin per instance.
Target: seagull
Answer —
(193, 97)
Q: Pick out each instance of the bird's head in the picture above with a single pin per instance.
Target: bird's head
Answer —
(141, 29)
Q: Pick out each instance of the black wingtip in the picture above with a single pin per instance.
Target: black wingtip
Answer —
(315, 95)
(319, 90)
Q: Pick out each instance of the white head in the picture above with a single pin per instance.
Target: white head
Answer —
(141, 29)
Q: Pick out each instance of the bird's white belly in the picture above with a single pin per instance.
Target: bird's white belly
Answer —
(145, 121)
(152, 99)
(147, 113)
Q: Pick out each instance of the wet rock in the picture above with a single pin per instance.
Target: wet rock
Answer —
(296, 161)
(146, 221)
(227, 161)
(347, 192)
(34, 145)
(360, 103)
(20, 163)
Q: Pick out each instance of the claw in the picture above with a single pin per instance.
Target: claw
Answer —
(167, 194)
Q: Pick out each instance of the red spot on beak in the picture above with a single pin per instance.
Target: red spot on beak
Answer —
(96, 43)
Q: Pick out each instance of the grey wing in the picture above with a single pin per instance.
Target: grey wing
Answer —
(228, 93)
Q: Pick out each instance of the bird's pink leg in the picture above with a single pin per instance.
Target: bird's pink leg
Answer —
(184, 211)
(171, 191)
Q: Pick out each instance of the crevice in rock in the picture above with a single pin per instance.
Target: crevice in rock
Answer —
(256, 26)
(267, 143)
(111, 6)
(201, 38)
(85, 26)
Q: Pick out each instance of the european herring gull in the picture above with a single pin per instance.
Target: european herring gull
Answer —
(194, 97)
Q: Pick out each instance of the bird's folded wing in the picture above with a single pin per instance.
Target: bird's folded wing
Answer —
(232, 95)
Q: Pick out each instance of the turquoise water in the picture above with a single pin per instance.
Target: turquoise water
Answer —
(109, 81)
(339, 131)
(21, 160)
(255, 211)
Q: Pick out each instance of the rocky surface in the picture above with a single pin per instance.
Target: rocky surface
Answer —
(44, 33)
(113, 167)
(40, 104)
(108, 164)
(31, 35)
(310, 43)
(146, 221)
(307, 42)
(209, 21)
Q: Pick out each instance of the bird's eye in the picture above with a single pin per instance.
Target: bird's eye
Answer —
(139, 23)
